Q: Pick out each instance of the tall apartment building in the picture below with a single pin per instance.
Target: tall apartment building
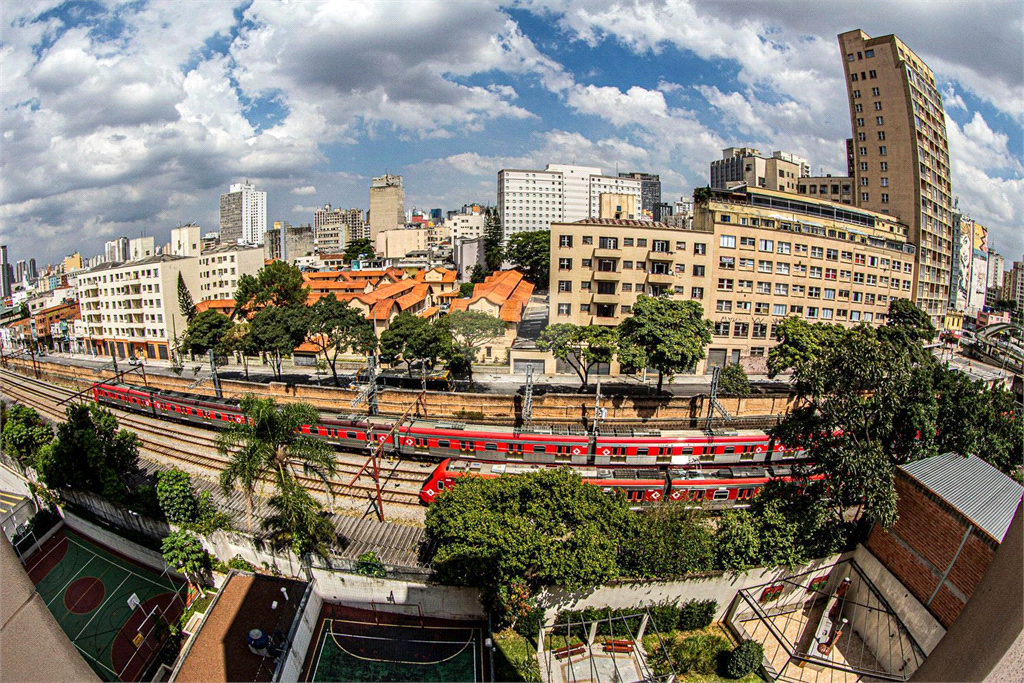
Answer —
(333, 228)
(996, 264)
(650, 190)
(602, 186)
(531, 200)
(141, 247)
(185, 240)
(20, 271)
(1013, 284)
(467, 225)
(901, 154)
(117, 251)
(287, 242)
(752, 258)
(131, 309)
(6, 272)
(833, 188)
(220, 267)
(969, 272)
(243, 214)
(387, 205)
(738, 165)
(33, 272)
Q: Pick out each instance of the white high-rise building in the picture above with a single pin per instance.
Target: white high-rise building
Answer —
(243, 214)
(532, 200)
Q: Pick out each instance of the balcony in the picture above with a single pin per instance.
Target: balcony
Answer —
(659, 255)
(606, 275)
(661, 278)
(605, 298)
(601, 252)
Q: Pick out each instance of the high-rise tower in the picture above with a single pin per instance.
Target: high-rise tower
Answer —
(243, 214)
(901, 155)
(387, 204)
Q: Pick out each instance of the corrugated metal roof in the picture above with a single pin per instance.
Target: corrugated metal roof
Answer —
(973, 487)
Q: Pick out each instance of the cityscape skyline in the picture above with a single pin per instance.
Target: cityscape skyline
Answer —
(117, 120)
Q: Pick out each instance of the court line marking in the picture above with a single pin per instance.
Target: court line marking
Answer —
(474, 632)
(118, 564)
(42, 557)
(100, 609)
(60, 593)
(97, 661)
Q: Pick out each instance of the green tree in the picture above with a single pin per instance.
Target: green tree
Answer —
(206, 331)
(184, 552)
(582, 346)
(477, 274)
(237, 340)
(733, 381)
(176, 496)
(368, 564)
(867, 404)
(799, 343)
(465, 290)
(543, 528)
(976, 420)
(276, 331)
(297, 521)
(90, 453)
(276, 284)
(334, 327)
(411, 339)
(185, 302)
(24, 433)
(910, 321)
(531, 252)
(356, 250)
(494, 239)
(668, 335)
(471, 329)
(269, 446)
(666, 541)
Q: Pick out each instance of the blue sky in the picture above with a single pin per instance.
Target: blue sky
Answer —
(120, 118)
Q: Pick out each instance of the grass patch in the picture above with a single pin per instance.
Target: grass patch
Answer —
(698, 656)
(515, 658)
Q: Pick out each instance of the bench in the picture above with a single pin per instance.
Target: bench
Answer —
(618, 646)
(569, 651)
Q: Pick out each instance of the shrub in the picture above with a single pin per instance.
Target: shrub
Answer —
(664, 615)
(699, 653)
(745, 659)
(240, 563)
(733, 381)
(697, 614)
(529, 624)
(176, 497)
(367, 564)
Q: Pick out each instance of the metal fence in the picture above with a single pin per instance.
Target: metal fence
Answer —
(115, 515)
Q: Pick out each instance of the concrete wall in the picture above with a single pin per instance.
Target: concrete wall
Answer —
(925, 629)
(303, 639)
(134, 551)
(451, 602)
(719, 586)
(225, 545)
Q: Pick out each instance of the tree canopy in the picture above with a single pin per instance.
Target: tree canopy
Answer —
(411, 339)
(334, 327)
(276, 284)
(24, 433)
(470, 329)
(90, 453)
(277, 331)
(665, 334)
(185, 301)
(733, 381)
(494, 238)
(582, 346)
(207, 331)
(799, 343)
(543, 528)
(531, 252)
(357, 250)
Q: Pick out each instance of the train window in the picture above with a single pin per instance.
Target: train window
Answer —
(721, 494)
(688, 450)
(729, 450)
(707, 456)
(440, 485)
(747, 455)
(491, 446)
(641, 451)
(350, 435)
(443, 443)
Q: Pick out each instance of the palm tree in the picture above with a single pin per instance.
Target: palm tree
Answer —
(268, 446)
(297, 521)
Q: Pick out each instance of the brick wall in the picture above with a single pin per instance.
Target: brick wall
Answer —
(921, 546)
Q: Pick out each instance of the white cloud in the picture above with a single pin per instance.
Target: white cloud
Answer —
(306, 189)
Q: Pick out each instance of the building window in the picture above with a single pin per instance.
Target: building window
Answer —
(698, 271)
(872, 74)
(885, 198)
(564, 309)
(722, 329)
(878, 106)
(585, 285)
(627, 241)
(863, 181)
(864, 196)
(766, 245)
(881, 135)
(882, 150)
(860, 123)
(863, 151)
(858, 108)
(725, 285)
(727, 262)
(723, 306)
(565, 240)
(608, 243)
(856, 94)
(741, 329)
(565, 285)
(869, 53)
(764, 266)
(565, 264)
(885, 182)
(878, 120)
(875, 92)
(659, 246)
(724, 218)
(588, 240)
(727, 241)
(699, 248)
(605, 310)
(697, 293)
(764, 288)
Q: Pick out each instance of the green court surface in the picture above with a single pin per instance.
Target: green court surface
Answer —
(87, 588)
(349, 650)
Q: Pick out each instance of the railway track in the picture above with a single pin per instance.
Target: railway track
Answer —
(196, 447)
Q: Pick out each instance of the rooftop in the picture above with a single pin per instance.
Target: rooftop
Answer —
(975, 489)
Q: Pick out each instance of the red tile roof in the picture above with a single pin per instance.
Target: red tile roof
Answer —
(506, 289)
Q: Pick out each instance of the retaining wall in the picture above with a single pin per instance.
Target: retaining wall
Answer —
(548, 407)
(303, 639)
(134, 551)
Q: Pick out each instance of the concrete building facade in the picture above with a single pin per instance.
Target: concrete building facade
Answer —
(833, 188)
(752, 258)
(185, 240)
(243, 214)
(387, 205)
(220, 267)
(334, 228)
(901, 154)
(745, 165)
(131, 309)
(650, 191)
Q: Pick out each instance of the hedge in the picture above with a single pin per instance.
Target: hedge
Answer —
(665, 616)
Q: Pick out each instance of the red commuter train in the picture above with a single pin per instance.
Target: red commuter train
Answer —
(716, 489)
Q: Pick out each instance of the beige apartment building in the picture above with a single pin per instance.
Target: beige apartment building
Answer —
(745, 165)
(387, 205)
(131, 309)
(752, 258)
(833, 188)
(220, 268)
(901, 155)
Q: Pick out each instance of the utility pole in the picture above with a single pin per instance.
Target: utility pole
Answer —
(371, 396)
(528, 399)
(599, 412)
(213, 371)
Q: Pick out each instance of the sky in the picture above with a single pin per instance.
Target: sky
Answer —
(129, 118)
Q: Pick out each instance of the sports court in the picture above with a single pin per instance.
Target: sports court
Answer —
(87, 588)
(374, 645)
